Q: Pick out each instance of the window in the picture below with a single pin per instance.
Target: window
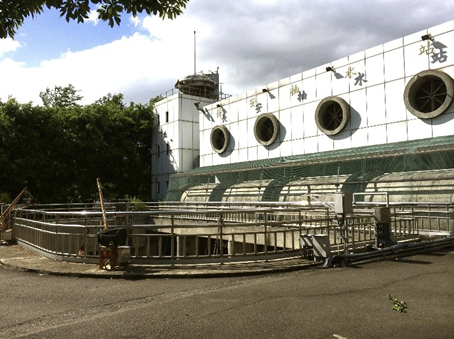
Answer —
(168, 149)
(158, 150)
(158, 187)
(167, 116)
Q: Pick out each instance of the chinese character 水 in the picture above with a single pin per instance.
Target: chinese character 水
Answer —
(360, 78)
(350, 72)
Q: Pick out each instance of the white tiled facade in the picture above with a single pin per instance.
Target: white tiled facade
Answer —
(175, 146)
(374, 92)
(371, 82)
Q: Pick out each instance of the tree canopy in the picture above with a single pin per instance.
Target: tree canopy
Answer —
(60, 97)
(59, 151)
(14, 12)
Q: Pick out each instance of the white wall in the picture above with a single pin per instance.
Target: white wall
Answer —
(378, 112)
(181, 133)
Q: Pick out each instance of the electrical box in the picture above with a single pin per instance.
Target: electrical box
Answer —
(343, 203)
(382, 215)
(319, 243)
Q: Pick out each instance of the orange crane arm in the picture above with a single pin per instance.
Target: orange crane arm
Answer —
(10, 208)
(103, 210)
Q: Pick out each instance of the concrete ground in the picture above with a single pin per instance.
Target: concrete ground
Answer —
(315, 302)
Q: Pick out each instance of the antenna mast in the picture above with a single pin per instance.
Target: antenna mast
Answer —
(195, 54)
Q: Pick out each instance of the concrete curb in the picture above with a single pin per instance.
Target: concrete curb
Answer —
(17, 258)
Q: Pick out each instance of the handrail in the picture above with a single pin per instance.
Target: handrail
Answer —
(386, 194)
(189, 233)
(193, 90)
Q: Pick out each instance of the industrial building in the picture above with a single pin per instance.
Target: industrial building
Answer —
(380, 120)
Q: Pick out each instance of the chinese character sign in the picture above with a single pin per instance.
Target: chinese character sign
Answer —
(429, 49)
(294, 90)
(350, 72)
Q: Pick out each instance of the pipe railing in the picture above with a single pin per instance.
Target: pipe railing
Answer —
(214, 232)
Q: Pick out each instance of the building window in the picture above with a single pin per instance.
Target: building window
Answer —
(332, 115)
(157, 120)
(158, 150)
(168, 149)
(266, 129)
(429, 94)
(167, 116)
(220, 138)
(158, 187)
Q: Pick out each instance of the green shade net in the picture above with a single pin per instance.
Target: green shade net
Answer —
(358, 165)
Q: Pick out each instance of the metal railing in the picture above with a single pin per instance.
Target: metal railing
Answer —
(195, 92)
(178, 233)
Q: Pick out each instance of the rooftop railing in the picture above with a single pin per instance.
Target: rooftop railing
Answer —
(195, 92)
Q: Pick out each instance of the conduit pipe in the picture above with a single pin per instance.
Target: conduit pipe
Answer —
(343, 259)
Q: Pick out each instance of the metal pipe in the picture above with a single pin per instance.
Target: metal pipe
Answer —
(342, 259)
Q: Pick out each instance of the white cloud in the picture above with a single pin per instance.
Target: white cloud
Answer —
(124, 66)
(93, 16)
(253, 44)
(8, 45)
(135, 21)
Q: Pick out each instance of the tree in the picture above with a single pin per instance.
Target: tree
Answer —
(14, 12)
(58, 152)
(60, 97)
(111, 100)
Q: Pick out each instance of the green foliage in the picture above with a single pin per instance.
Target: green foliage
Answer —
(60, 97)
(13, 12)
(59, 151)
(398, 305)
(5, 198)
(137, 204)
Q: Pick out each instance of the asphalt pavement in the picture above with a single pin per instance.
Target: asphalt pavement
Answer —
(344, 302)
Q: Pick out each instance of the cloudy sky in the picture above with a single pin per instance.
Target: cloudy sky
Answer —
(253, 42)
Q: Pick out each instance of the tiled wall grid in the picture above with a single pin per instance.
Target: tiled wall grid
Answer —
(372, 82)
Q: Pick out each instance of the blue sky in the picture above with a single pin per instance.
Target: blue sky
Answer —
(36, 33)
(253, 43)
